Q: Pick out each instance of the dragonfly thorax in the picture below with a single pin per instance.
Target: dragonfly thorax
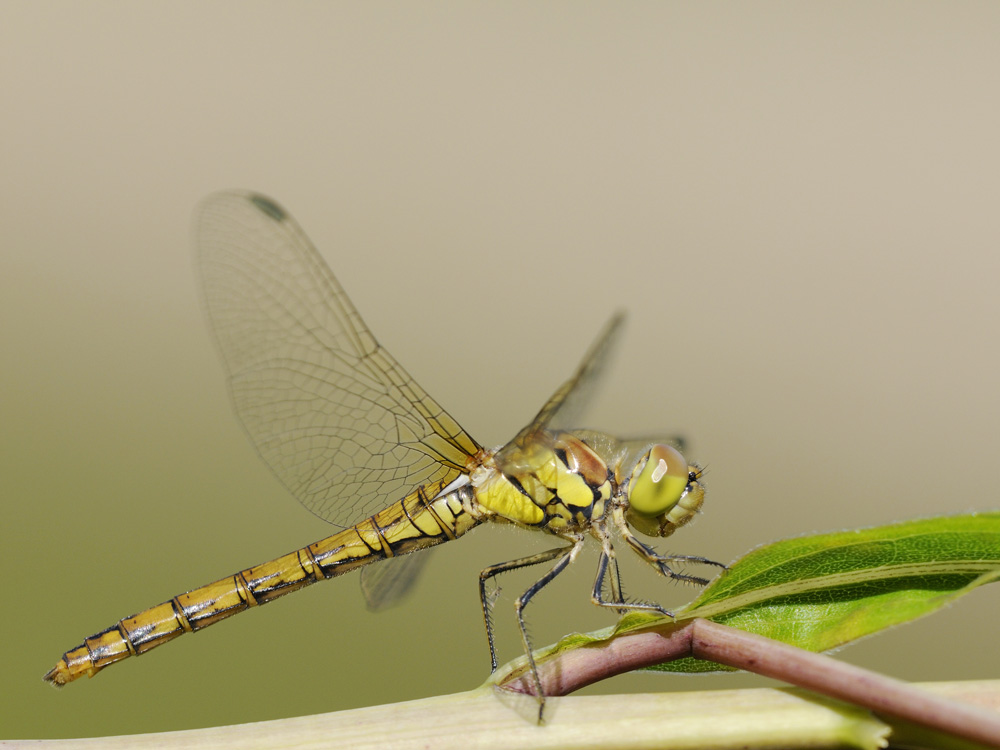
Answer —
(556, 483)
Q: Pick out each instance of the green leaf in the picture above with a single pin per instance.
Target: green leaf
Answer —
(821, 592)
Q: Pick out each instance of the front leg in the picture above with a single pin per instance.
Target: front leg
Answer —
(662, 562)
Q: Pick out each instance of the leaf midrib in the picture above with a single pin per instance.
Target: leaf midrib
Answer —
(863, 575)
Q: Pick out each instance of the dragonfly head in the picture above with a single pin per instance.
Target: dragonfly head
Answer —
(663, 492)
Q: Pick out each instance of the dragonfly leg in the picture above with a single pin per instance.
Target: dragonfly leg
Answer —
(662, 562)
(563, 556)
(617, 592)
(618, 602)
(607, 567)
(567, 556)
(492, 572)
(658, 561)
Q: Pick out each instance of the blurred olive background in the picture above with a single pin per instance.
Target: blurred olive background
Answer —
(797, 203)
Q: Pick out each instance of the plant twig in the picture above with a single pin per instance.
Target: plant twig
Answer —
(759, 719)
(756, 719)
(703, 639)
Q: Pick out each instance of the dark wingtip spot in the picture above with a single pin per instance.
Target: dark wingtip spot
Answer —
(269, 207)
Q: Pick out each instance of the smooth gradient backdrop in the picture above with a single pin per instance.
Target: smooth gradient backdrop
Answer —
(796, 202)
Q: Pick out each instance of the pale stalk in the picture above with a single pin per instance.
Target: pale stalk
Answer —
(490, 718)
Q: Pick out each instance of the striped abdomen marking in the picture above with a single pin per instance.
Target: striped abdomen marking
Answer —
(413, 523)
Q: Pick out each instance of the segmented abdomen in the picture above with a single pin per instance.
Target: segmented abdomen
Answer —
(413, 523)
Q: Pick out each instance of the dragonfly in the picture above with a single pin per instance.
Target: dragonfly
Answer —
(360, 444)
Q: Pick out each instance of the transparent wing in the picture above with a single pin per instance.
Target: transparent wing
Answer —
(340, 423)
(566, 404)
(384, 585)
(677, 441)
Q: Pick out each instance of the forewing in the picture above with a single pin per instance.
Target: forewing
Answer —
(340, 423)
(566, 404)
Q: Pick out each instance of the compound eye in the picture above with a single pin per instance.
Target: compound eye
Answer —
(658, 482)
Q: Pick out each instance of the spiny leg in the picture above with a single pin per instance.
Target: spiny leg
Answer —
(617, 591)
(661, 562)
(495, 570)
(654, 558)
(620, 605)
(608, 564)
(565, 556)
(568, 553)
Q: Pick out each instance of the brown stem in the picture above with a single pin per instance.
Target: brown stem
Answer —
(722, 644)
